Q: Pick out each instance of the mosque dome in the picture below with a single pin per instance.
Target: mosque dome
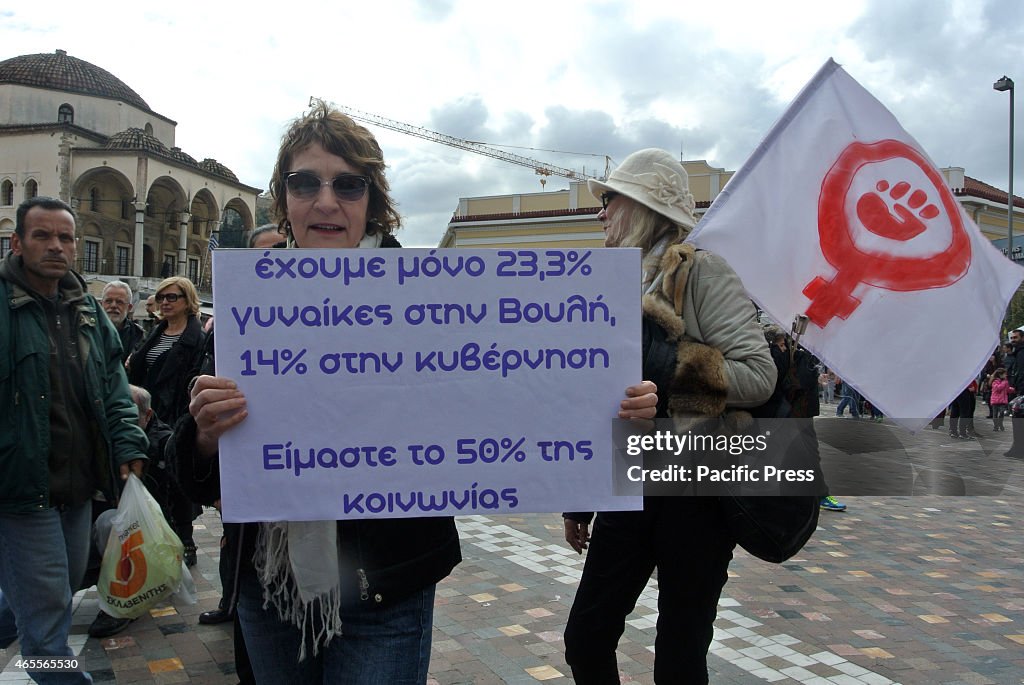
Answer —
(183, 157)
(136, 139)
(60, 71)
(214, 167)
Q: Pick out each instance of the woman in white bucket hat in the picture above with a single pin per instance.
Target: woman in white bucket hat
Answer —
(696, 308)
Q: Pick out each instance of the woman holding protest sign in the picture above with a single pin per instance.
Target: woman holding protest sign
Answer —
(330, 601)
(698, 315)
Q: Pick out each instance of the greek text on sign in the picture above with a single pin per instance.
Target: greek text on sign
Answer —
(396, 383)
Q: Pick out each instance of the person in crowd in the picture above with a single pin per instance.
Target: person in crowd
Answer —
(849, 398)
(961, 413)
(1005, 356)
(171, 350)
(985, 383)
(267, 235)
(696, 305)
(161, 365)
(876, 414)
(828, 385)
(69, 429)
(156, 479)
(1014, 363)
(116, 299)
(802, 402)
(152, 314)
(373, 622)
(1010, 352)
(1000, 397)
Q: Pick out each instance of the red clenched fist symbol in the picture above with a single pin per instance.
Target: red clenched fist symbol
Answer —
(911, 215)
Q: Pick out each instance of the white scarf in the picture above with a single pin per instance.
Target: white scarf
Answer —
(298, 563)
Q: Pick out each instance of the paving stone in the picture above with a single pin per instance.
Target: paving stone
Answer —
(503, 611)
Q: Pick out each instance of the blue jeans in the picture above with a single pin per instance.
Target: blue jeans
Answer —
(42, 555)
(850, 402)
(378, 646)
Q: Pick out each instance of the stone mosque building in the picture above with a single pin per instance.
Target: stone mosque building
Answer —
(146, 208)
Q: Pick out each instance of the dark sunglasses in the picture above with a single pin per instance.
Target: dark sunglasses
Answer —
(347, 187)
(170, 297)
(606, 199)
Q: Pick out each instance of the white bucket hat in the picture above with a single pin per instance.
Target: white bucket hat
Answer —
(656, 180)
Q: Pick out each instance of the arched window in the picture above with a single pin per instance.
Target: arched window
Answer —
(66, 114)
(6, 193)
(149, 129)
(31, 189)
(94, 199)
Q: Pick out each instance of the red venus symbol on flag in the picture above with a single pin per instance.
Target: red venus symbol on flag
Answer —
(874, 262)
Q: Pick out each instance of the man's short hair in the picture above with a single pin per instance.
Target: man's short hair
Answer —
(43, 202)
(117, 284)
(260, 230)
(143, 400)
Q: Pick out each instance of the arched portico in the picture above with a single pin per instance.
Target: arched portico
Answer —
(165, 203)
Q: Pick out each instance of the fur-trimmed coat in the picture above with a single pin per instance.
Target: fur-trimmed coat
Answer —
(702, 345)
(721, 357)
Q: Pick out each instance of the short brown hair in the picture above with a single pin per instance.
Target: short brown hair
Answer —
(339, 135)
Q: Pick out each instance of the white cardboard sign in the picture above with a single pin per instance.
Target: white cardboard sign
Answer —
(397, 383)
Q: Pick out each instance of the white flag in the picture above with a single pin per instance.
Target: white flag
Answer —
(840, 215)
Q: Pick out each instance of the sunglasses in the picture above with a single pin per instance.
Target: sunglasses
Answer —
(606, 199)
(303, 185)
(170, 297)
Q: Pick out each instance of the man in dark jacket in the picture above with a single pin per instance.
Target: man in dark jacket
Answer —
(1014, 363)
(68, 427)
(117, 303)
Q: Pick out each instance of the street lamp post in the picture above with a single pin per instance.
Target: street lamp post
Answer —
(1002, 85)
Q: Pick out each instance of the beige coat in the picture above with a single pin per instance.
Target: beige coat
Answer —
(722, 358)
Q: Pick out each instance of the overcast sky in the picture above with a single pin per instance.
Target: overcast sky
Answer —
(702, 79)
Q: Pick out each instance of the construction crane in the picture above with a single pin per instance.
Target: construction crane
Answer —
(540, 168)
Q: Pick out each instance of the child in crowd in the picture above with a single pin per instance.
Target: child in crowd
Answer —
(1001, 390)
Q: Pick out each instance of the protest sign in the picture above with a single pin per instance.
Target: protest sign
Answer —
(839, 215)
(397, 383)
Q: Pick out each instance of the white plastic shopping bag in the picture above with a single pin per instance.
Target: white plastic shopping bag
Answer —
(142, 563)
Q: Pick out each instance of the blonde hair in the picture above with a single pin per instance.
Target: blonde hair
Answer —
(647, 227)
(189, 290)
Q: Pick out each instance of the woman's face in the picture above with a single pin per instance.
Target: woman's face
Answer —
(615, 220)
(172, 311)
(324, 220)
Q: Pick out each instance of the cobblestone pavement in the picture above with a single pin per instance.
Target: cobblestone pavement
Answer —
(895, 590)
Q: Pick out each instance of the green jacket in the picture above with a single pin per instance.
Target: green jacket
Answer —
(25, 393)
